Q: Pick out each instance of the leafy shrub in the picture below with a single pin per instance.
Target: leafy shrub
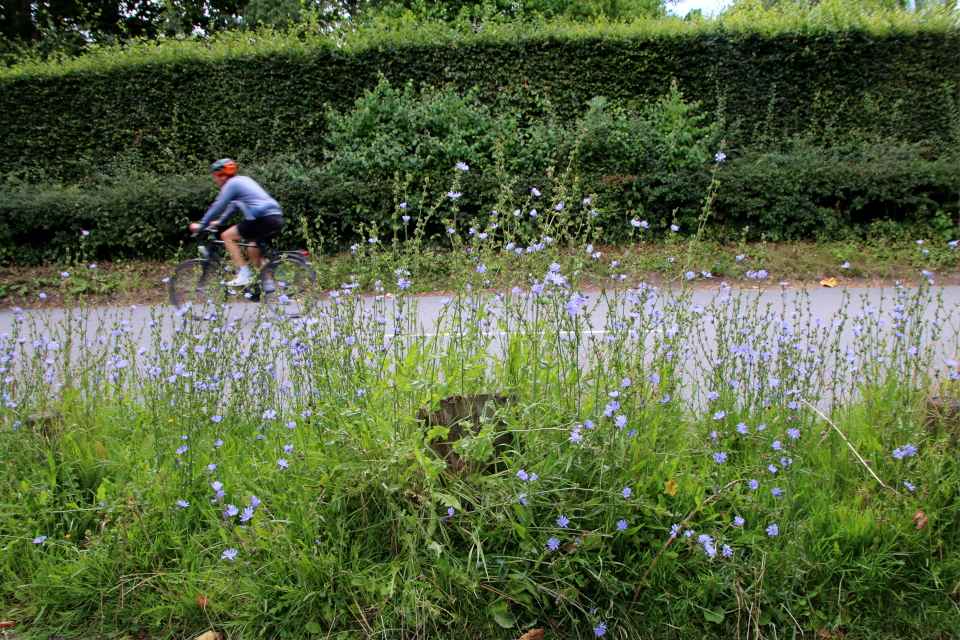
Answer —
(133, 215)
(803, 190)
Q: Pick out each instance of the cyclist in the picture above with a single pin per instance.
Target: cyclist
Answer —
(262, 217)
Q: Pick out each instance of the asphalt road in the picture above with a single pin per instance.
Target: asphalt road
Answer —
(431, 317)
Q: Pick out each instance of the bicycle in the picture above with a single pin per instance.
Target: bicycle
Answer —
(286, 282)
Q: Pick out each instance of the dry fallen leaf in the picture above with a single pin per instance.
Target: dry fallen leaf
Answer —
(823, 633)
(209, 635)
(202, 601)
(533, 634)
(7, 625)
(829, 282)
(670, 487)
(921, 519)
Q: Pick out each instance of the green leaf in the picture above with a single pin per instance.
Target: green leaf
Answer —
(313, 627)
(521, 530)
(447, 500)
(716, 615)
(502, 616)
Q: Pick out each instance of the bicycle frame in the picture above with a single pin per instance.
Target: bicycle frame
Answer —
(266, 253)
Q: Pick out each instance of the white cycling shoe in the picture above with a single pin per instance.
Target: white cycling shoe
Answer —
(244, 277)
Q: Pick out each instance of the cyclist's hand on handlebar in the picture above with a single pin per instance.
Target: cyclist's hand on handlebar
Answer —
(194, 228)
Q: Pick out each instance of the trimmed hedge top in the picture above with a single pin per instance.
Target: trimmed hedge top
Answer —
(784, 19)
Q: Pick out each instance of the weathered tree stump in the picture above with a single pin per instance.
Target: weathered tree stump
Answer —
(46, 423)
(943, 414)
(454, 413)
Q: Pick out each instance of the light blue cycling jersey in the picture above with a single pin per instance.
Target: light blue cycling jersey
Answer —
(243, 193)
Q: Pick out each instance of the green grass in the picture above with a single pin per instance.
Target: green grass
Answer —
(353, 539)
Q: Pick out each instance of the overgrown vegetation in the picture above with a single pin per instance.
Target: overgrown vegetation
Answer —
(268, 476)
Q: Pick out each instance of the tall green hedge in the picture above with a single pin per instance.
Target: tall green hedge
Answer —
(836, 125)
(173, 110)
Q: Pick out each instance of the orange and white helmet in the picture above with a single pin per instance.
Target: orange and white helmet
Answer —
(225, 167)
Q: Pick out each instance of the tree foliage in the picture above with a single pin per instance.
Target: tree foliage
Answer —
(69, 27)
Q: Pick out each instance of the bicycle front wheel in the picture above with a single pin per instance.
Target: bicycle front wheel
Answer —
(195, 289)
(288, 287)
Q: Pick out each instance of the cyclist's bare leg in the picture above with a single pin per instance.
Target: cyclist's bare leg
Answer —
(255, 256)
(230, 239)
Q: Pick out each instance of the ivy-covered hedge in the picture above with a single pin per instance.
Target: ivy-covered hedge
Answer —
(172, 107)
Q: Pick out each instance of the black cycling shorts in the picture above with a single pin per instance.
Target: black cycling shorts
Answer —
(261, 229)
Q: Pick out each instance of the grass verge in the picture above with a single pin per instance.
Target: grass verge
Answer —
(801, 264)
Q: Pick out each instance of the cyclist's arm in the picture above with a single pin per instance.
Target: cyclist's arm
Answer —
(226, 214)
(222, 207)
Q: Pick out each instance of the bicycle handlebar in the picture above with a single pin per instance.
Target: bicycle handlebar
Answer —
(208, 230)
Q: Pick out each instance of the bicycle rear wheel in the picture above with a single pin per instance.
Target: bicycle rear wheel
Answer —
(288, 287)
(195, 289)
